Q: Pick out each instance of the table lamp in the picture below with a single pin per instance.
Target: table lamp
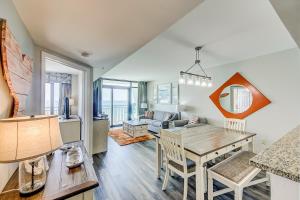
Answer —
(144, 105)
(71, 103)
(27, 139)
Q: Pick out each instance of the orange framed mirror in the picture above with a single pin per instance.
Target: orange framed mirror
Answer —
(238, 98)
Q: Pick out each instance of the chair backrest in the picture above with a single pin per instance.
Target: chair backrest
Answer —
(235, 124)
(173, 148)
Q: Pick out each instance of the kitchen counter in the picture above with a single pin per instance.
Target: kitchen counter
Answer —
(282, 158)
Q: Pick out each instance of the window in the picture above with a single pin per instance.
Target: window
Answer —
(242, 99)
(134, 103)
(116, 83)
(47, 98)
(52, 98)
(119, 100)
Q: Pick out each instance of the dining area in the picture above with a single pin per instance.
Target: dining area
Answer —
(189, 151)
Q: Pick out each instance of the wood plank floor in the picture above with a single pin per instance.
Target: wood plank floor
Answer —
(128, 173)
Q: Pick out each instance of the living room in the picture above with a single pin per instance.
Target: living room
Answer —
(197, 103)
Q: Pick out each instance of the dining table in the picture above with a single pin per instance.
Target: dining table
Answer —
(203, 144)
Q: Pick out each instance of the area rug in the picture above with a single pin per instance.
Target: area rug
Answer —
(123, 139)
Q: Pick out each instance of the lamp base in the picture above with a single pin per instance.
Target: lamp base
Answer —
(32, 176)
(28, 190)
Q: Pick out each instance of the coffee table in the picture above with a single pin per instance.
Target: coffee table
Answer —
(135, 128)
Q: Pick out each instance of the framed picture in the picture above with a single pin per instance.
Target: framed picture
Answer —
(175, 93)
(164, 93)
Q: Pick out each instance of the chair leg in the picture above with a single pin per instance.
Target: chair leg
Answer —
(162, 159)
(238, 194)
(210, 188)
(185, 188)
(166, 179)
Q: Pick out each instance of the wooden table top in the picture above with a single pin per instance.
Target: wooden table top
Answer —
(61, 182)
(205, 139)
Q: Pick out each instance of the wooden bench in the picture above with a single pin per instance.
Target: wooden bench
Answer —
(236, 173)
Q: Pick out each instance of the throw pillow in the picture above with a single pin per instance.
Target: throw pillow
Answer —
(193, 120)
(167, 116)
(149, 114)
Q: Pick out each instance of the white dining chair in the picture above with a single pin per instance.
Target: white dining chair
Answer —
(176, 160)
(235, 124)
(236, 173)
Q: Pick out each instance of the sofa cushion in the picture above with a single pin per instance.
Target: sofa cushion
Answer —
(158, 115)
(156, 123)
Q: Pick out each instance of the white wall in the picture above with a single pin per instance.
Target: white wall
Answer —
(8, 12)
(275, 75)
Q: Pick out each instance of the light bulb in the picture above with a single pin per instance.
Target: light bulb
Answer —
(203, 84)
(182, 79)
(198, 81)
(190, 80)
(209, 84)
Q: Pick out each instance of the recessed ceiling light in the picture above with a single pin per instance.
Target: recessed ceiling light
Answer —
(85, 54)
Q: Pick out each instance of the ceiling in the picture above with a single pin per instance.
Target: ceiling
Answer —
(231, 31)
(54, 66)
(110, 30)
(288, 11)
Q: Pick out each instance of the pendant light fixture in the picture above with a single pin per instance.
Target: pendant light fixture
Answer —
(188, 78)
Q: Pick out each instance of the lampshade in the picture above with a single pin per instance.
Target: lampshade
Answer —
(144, 105)
(24, 138)
(71, 102)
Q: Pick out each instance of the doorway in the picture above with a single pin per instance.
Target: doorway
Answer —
(82, 93)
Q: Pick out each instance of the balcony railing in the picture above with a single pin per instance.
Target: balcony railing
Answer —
(120, 113)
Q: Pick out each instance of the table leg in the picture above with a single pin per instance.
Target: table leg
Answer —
(200, 184)
(158, 158)
(251, 146)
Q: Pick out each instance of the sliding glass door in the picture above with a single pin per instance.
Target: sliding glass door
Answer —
(115, 103)
(119, 101)
(107, 102)
(120, 106)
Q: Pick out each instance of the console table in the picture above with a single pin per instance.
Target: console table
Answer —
(62, 183)
(70, 129)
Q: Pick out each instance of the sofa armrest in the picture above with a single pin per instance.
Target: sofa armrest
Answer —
(203, 120)
(179, 123)
(194, 125)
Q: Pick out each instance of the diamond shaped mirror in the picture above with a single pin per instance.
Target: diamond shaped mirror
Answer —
(238, 98)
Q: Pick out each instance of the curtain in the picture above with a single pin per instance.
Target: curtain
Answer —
(65, 91)
(142, 96)
(65, 81)
(97, 97)
(55, 77)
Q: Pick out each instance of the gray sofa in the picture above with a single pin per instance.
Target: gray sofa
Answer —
(160, 120)
(185, 123)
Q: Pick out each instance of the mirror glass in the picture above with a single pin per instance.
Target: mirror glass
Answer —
(236, 99)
